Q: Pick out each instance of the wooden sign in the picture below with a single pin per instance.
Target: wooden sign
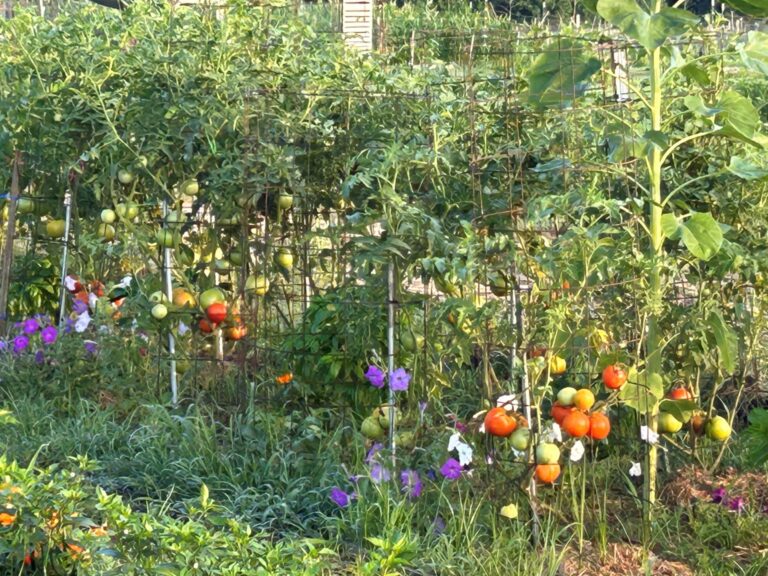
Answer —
(357, 24)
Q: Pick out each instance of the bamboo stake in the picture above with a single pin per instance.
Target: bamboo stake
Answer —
(10, 233)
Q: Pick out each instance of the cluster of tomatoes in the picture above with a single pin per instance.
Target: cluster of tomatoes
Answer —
(572, 412)
(217, 313)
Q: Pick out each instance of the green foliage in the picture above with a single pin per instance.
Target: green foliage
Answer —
(756, 437)
(56, 520)
(559, 74)
(650, 30)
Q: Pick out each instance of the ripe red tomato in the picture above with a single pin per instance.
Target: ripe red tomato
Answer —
(614, 376)
(547, 473)
(96, 287)
(576, 424)
(599, 426)
(680, 393)
(216, 312)
(560, 412)
(499, 423)
(205, 326)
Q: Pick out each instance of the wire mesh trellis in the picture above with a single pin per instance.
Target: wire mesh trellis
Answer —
(324, 314)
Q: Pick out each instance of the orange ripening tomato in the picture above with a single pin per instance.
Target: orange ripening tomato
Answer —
(560, 412)
(547, 473)
(584, 399)
(599, 426)
(576, 424)
(498, 423)
(205, 326)
(286, 378)
(236, 332)
(7, 519)
(614, 376)
(680, 393)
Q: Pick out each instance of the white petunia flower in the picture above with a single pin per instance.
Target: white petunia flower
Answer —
(509, 401)
(552, 433)
(577, 451)
(125, 282)
(648, 435)
(183, 328)
(82, 322)
(636, 469)
(70, 283)
(464, 450)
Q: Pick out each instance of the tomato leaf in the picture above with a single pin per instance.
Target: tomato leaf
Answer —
(641, 392)
(702, 235)
(680, 409)
(725, 337)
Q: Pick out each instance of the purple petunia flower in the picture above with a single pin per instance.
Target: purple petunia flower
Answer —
(340, 497)
(719, 495)
(375, 376)
(379, 473)
(39, 357)
(451, 469)
(90, 347)
(79, 307)
(411, 483)
(31, 326)
(431, 475)
(20, 344)
(737, 504)
(399, 380)
(372, 451)
(3, 345)
(49, 334)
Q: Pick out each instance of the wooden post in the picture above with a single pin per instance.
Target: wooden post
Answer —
(65, 254)
(391, 294)
(620, 73)
(10, 234)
